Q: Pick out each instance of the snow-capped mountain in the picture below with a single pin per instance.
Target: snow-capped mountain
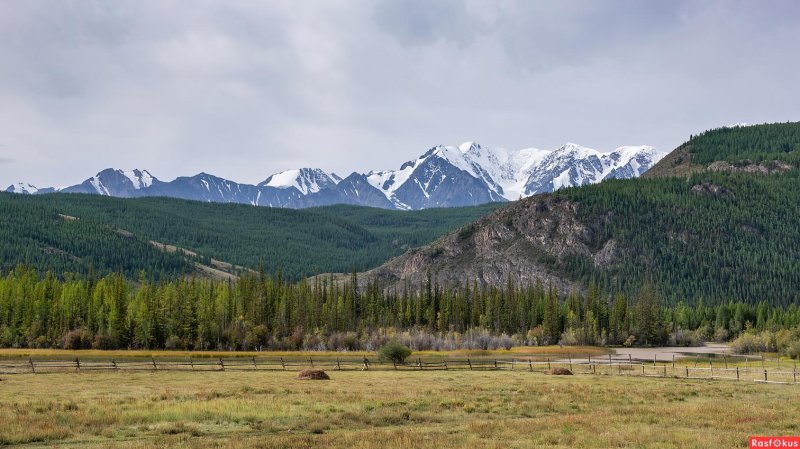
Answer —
(305, 180)
(444, 176)
(22, 188)
(573, 165)
(472, 174)
(110, 182)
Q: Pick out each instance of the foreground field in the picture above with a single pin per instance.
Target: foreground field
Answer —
(495, 409)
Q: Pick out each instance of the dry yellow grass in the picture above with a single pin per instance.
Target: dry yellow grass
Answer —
(496, 409)
(523, 351)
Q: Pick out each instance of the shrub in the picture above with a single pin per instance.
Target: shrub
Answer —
(568, 338)
(793, 349)
(683, 337)
(173, 343)
(749, 343)
(395, 352)
(77, 339)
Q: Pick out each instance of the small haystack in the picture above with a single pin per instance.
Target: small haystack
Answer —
(560, 372)
(314, 374)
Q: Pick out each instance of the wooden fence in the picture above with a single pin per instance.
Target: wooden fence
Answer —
(597, 366)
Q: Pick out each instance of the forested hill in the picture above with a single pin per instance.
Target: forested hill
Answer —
(769, 147)
(726, 229)
(75, 233)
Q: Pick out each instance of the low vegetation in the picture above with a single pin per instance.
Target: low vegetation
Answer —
(416, 410)
(783, 341)
(394, 352)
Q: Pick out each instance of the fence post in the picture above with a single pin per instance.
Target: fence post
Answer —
(114, 364)
(548, 363)
(687, 371)
(419, 363)
(794, 372)
(673, 361)
(33, 369)
(570, 362)
(155, 367)
(765, 375)
(77, 364)
(725, 358)
(737, 373)
(654, 360)
(445, 366)
(530, 365)
(642, 368)
(512, 364)
(495, 363)
(711, 367)
(254, 363)
(338, 366)
(191, 363)
(312, 361)
(283, 365)
(665, 370)
(630, 361)
(469, 363)
(745, 362)
(222, 364)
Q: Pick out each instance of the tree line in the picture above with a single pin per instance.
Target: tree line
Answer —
(261, 311)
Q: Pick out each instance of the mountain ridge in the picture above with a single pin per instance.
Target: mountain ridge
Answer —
(443, 176)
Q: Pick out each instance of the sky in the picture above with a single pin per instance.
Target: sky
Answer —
(244, 89)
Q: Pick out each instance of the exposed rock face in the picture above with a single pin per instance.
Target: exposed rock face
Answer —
(750, 167)
(712, 189)
(521, 241)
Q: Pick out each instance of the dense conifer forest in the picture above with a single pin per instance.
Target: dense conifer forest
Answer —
(758, 143)
(80, 233)
(268, 312)
(713, 235)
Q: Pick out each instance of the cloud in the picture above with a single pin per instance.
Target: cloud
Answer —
(244, 89)
(425, 22)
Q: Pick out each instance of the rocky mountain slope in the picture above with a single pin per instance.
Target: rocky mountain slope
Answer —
(441, 177)
(728, 228)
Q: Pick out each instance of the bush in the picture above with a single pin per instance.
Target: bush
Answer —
(749, 343)
(77, 339)
(683, 337)
(568, 338)
(793, 350)
(395, 352)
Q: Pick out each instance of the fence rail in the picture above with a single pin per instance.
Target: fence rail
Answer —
(597, 366)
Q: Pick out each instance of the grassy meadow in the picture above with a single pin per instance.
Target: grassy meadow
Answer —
(387, 409)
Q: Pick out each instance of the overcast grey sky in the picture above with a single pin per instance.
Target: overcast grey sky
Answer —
(243, 89)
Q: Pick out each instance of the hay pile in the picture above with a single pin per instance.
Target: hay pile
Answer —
(560, 372)
(313, 374)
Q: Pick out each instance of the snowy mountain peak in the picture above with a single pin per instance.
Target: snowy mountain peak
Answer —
(306, 180)
(139, 178)
(467, 147)
(443, 176)
(22, 188)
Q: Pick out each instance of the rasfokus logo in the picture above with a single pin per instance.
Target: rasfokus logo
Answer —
(774, 442)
